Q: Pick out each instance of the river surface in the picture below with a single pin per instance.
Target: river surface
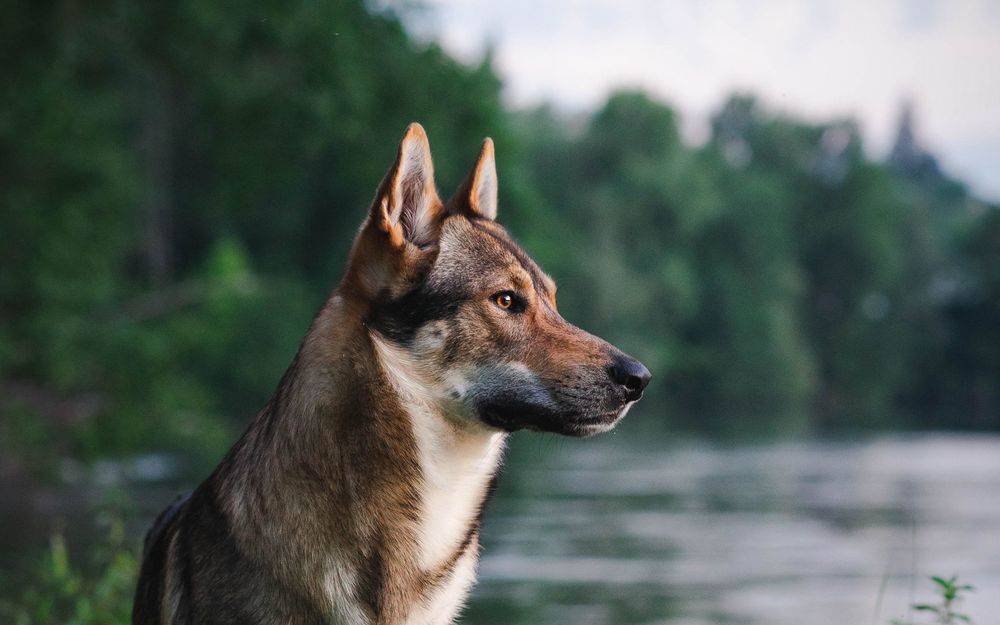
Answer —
(606, 531)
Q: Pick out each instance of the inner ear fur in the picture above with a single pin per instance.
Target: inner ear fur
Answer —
(407, 207)
(477, 196)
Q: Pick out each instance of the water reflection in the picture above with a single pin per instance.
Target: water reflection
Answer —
(801, 533)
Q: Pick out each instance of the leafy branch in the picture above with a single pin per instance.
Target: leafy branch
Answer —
(944, 611)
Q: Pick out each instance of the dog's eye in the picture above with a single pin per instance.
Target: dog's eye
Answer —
(508, 301)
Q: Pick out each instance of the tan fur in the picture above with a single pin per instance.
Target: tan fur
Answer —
(355, 495)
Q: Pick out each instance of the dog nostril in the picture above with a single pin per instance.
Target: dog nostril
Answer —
(634, 383)
(631, 374)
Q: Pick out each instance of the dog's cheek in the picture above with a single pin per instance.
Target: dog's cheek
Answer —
(430, 341)
(475, 337)
(446, 346)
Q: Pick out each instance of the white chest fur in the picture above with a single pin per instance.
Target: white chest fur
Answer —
(457, 462)
(457, 467)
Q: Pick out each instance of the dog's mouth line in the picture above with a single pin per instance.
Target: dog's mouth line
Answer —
(523, 417)
(515, 416)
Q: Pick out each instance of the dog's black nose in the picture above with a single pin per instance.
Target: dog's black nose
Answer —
(631, 374)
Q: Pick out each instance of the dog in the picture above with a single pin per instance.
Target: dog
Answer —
(355, 496)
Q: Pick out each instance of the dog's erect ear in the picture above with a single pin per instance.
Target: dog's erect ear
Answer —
(477, 197)
(407, 206)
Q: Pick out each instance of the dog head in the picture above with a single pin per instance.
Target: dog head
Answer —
(462, 318)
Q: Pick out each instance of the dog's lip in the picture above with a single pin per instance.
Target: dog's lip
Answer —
(520, 417)
(590, 429)
(515, 413)
(511, 419)
(494, 415)
(595, 425)
(607, 420)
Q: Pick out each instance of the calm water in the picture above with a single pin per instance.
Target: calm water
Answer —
(603, 531)
(597, 532)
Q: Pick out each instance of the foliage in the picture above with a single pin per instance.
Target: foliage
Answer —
(779, 279)
(64, 594)
(181, 184)
(944, 612)
(180, 188)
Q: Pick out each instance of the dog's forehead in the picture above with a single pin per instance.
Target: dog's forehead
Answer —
(480, 248)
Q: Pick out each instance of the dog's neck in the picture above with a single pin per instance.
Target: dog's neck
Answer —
(365, 461)
(458, 458)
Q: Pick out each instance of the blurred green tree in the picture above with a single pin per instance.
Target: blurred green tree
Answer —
(177, 173)
(182, 181)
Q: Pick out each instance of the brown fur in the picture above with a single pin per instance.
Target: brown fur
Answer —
(315, 515)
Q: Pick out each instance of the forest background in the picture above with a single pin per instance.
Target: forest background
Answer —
(180, 184)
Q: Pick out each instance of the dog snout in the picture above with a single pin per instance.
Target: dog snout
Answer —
(631, 374)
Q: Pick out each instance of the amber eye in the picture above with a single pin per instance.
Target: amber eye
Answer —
(509, 301)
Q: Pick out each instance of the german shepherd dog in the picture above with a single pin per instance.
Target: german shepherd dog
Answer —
(355, 496)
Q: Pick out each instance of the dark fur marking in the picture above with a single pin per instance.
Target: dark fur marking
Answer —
(371, 586)
(187, 575)
(398, 320)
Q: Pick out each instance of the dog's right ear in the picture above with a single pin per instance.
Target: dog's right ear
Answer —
(407, 207)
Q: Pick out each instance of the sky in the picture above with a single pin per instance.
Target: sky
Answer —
(816, 59)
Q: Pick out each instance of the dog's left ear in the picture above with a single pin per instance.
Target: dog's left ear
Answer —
(477, 197)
